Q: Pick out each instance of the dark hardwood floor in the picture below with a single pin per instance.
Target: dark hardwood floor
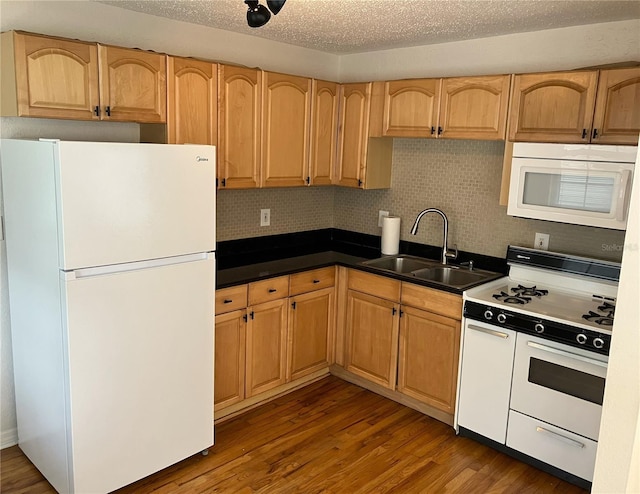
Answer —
(330, 437)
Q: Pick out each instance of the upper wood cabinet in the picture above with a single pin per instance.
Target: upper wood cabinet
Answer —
(457, 107)
(474, 107)
(324, 132)
(616, 119)
(240, 103)
(554, 107)
(411, 108)
(575, 107)
(59, 78)
(286, 119)
(133, 85)
(192, 103)
(364, 158)
(49, 77)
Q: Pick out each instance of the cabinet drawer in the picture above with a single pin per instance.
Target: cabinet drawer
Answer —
(271, 289)
(378, 286)
(230, 299)
(558, 447)
(444, 303)
(312, 280)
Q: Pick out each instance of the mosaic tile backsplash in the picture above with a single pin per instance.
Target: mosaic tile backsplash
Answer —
(461, 177)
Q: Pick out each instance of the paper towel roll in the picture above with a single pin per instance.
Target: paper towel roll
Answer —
(390, 235)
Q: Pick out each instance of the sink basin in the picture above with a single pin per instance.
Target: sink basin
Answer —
(413, 268)
(400, 264)
(450, 275)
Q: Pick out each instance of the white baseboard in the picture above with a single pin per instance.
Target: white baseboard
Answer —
(9, 438)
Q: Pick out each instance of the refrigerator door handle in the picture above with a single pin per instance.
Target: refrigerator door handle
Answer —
(134, 266)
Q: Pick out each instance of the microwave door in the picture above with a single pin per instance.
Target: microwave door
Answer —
(570, 192)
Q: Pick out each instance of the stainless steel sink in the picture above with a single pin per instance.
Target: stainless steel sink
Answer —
(451, 275)
(401, 264)
(411, 268)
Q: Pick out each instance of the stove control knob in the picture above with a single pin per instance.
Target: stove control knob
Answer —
(598, 343)
(502, 318)
(539, 328)
(488, 315)
(581, 338)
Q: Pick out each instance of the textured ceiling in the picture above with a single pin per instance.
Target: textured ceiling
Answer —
(351, 26)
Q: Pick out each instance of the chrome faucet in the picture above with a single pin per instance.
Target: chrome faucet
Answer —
(446, 253)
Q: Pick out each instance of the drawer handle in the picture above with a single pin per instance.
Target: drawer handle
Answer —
(316, 281)
(227, 301)
(560, 437)
(499, 334)
(272, 290)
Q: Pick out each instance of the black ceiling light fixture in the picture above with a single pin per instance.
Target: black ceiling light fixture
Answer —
(258, 15)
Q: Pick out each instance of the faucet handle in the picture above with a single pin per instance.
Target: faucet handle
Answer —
(452, 255)
(468, 263)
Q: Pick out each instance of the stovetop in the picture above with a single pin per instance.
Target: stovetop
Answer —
(575, 292)
(553, 303)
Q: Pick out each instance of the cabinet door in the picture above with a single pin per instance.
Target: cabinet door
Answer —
(229, 359)
(554, 107)
(133, 85)
(474, 107)
(54, 78)
(266, 347)
(485, 380)
(192, 111)
(239, 127)
(310, 324)
(324, 132)
(286, 119)
(353, 133)
(372, 338)
(411, 108)
(617, 116)
(428, 366)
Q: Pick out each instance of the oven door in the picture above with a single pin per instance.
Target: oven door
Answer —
(559, 384)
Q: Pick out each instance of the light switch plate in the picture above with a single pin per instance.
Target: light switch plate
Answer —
(265, 217)
(382, 214)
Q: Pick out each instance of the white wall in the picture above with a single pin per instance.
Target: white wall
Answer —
(554, 49)
(618, 460)
(545, 50)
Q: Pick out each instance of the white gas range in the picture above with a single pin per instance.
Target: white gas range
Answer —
(534, 357)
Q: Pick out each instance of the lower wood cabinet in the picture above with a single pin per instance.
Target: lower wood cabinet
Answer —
(372, 338)
(230, 338)
(405, 338)
(428, 357)
(267, 340)
(310, 321)
(266, 347)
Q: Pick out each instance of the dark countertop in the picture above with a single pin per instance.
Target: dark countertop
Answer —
(247, 260)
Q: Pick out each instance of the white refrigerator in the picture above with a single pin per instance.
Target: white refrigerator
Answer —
(111, 267)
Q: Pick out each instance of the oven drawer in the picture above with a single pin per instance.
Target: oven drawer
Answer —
(557, 447)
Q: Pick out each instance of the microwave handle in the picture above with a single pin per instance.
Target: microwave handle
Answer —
(621, 207)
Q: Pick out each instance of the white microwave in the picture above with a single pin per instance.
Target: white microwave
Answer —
(582, 184)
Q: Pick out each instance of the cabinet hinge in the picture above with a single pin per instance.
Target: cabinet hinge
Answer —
(394, 311)
(584, 133)
(439, 130)
(359, 183)
(224, 182)
(308, 180)
(245, 318)
(251, 315)
(595, 134)
(107, 110)
(293, 305)
(96, 110)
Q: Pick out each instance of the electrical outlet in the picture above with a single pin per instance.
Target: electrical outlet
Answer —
(542, 241)
(265, 217)
(382, 214)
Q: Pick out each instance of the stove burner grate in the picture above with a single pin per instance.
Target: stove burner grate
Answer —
(511, 299)
(602, 319)
(529, 291)
(607, 308)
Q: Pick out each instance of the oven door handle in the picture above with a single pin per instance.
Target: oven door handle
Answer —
(564, 353)
(488, 331)
(560, 437)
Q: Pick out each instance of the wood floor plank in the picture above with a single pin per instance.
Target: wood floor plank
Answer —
(329, 437)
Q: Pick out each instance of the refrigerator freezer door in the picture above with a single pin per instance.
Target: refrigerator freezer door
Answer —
(140, 346)
(122, 202)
